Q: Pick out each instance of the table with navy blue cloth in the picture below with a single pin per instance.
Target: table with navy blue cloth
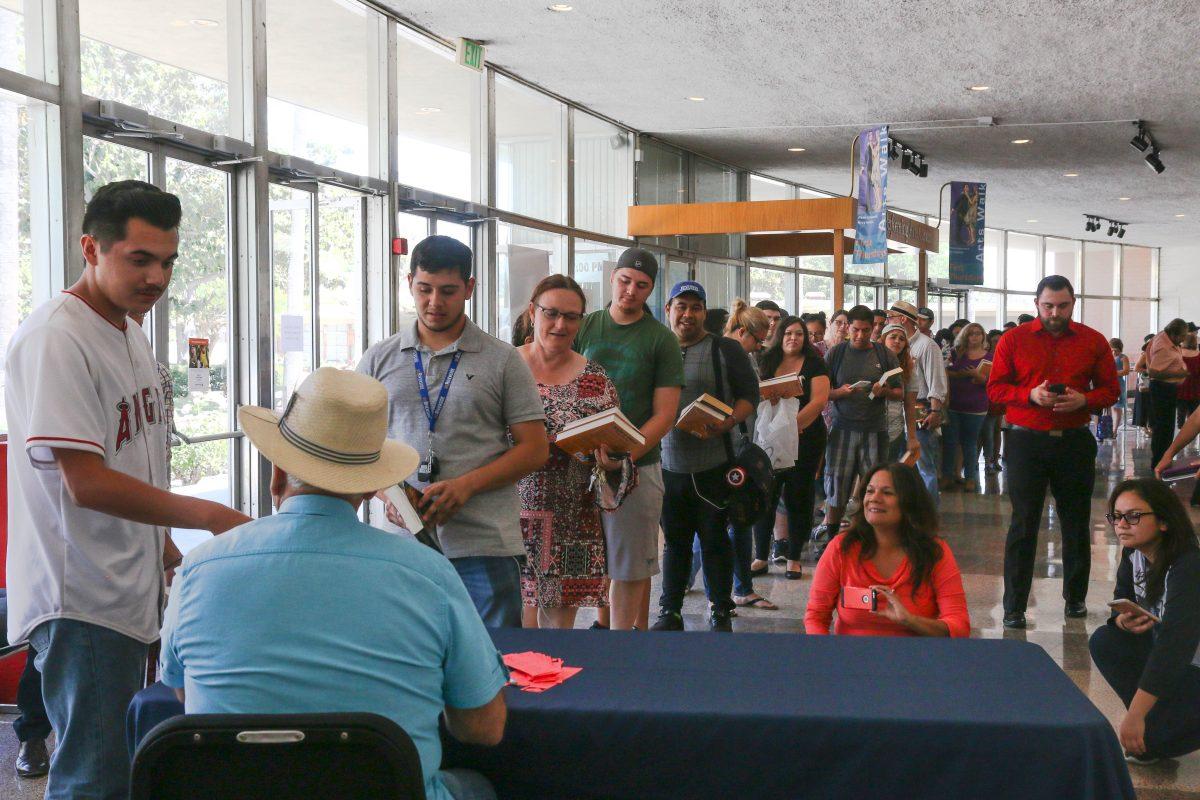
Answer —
(704, 715)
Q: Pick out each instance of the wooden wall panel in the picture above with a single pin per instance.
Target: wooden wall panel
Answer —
(693, 219)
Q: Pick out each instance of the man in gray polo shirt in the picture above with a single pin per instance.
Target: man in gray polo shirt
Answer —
(477, 391)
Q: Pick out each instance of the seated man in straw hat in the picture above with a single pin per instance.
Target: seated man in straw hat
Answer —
(313, 611)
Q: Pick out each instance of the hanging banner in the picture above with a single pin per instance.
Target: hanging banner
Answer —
(198, 373)
(870, 234)
(967, 202)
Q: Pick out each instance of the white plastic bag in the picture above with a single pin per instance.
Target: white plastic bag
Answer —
(776, 432)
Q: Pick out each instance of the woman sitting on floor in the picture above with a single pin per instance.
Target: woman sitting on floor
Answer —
(1154, 666)
(892, 558)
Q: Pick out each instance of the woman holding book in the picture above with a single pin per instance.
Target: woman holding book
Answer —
(793, 353)
(566, 564)
(967, 371)
(895, 338)
(1149, 652)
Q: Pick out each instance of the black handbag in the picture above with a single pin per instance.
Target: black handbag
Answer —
(749, 479)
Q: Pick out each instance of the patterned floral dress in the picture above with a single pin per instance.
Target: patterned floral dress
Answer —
(566, 562)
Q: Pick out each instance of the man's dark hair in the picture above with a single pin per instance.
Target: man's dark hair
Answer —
(959, 323)
(1176, 327)
(1055, 283)
(114, 204)
(768, 305)
(439, 254)
(879, 312)
(1009, 325)
(715, 319)
(1023, 318)
(994, 332)
(860, 314)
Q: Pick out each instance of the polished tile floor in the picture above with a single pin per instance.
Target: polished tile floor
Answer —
(975, 525)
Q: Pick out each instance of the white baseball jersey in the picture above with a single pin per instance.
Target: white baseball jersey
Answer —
(76, 381)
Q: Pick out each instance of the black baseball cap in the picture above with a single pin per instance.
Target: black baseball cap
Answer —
(639, 259)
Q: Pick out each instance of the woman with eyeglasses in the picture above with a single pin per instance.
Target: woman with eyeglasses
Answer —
(1150, 654)
(566, 557)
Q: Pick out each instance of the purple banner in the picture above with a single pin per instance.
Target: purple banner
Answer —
(967, 201)
(870, 230)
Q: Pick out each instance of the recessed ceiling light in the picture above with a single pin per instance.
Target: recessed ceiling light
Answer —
(979, 88)
(1180, 216)
(796, 149)
(1031, 220)
(428, 110)
(205, 23)
(1070, 174)
(1021, 141)
(560, 7)
(179, 23)
(695, 98)
(1124, 198)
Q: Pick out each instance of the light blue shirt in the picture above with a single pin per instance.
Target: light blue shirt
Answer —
(309, 610)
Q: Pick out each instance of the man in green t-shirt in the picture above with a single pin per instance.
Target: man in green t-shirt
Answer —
(642, 358)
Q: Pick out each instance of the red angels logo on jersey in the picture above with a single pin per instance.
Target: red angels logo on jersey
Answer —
(146, 410)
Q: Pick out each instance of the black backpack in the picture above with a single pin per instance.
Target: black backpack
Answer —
(749, 478)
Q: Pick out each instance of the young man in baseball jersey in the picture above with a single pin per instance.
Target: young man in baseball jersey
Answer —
(88, 496)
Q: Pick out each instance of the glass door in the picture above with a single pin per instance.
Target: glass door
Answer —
(292, 235)
(672, 270)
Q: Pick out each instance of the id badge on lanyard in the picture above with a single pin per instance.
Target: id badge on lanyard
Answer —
(427, 470)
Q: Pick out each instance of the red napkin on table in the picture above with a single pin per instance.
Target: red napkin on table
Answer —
(537, 672)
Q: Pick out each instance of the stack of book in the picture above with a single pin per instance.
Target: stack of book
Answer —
(790, 385)
(609, 428)
(705, 410)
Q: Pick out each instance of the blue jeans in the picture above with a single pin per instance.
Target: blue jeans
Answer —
(494, 584)
(962, 433)
(929, 464)
(89, 676)
(467, 784)
(743, 546)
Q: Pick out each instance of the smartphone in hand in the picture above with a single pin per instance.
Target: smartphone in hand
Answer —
(1057, 388)
(1130, 607)
(860, 598)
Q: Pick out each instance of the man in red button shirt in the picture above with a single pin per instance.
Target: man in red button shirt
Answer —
(1051, 375)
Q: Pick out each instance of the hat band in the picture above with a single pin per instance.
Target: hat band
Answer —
(322, 452)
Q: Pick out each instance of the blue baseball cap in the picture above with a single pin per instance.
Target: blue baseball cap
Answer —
(688, 287)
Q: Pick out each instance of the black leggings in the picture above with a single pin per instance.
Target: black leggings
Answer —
(1173, 725)
(797, 488)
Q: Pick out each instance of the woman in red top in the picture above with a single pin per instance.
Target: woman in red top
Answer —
(893, 548)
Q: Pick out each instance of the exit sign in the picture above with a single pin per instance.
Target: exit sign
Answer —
(470, 54)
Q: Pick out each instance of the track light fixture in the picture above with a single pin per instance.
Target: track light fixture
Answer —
(1115, 227)
(1143, 141)
(910, 159)
(1155, 163)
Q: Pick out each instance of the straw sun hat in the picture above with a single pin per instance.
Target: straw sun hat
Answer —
(333, 434)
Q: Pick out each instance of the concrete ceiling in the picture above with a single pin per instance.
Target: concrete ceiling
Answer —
(786, 74)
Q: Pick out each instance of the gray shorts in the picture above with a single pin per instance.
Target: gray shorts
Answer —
(848, 455)
(631, 531)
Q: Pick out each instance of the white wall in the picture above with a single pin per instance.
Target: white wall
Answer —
(1178, 270)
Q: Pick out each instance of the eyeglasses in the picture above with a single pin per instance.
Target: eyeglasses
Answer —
(553, 314)
(1130, 517)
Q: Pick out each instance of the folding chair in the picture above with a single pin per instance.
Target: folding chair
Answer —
(356, 756)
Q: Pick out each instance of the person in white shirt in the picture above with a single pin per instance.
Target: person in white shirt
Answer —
(88, 491)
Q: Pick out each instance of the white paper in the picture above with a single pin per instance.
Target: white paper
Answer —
(883, 379)
(291, 333)
(412, 520)
(199, 379)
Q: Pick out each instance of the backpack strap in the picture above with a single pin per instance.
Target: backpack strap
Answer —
(717, 371)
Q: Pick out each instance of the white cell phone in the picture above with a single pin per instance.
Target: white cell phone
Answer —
(1130, 607)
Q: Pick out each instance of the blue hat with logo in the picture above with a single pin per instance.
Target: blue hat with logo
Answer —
(688, 287)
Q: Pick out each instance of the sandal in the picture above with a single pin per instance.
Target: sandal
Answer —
(755, 601)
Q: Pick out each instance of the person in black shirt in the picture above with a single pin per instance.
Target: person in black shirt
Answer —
(1154, 666)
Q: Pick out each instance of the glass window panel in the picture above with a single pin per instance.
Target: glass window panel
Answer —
(1137, 272)
(1017, 304)
(169, 59)
(867, 296)
(340, 263)
(1138, 317)
(719, 281)
(440, 119)
(530, 178)
(105, 162)
(1062, 258)
(678, 269)
(1101, 270)
(817, 263)
(661, 178)
(904, 266)
(21, 47)
(319, 65)
(200, 470)
(715, 183)
(987, 308)
(937, 264)
(773, 284)
(766, 189)
(816, 294)
(414, 228)
(1102, 315)
(1023, 267)
(594, 265)
(523, 257)
(291, 264)
(25, 262)
(603, 175)
(993, 258)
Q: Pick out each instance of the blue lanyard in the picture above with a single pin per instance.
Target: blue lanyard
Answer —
(433, 412)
